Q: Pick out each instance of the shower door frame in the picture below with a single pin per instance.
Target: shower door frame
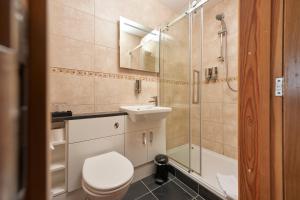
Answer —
(189, 13)
(189, 170)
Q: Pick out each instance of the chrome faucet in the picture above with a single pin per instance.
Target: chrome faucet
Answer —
(155, 100)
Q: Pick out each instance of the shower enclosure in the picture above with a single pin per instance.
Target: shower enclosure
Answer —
(198, 78)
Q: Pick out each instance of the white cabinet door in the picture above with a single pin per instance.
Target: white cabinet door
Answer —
(136, 147)
(156, 142)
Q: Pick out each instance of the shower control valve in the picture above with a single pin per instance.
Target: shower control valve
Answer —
(214, 76)
(208, 74)
(211, 74)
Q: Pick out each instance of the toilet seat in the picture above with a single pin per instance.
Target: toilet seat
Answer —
(107, 173)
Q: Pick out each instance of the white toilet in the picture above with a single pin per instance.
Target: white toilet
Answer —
(107, 176)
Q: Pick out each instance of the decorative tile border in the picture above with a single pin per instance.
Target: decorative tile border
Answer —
(221, 80)
(77, 72)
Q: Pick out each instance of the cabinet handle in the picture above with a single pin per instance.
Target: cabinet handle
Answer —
(151, 136)
(116, 125)
(144, 139)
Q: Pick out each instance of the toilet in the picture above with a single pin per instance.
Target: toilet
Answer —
(107, 176)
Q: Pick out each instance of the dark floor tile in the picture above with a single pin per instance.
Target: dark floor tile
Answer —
(205, 193)
(199, 198)
(171, 191)
(171, 176)
(136, 190)
(185, 187)
(150, 181)
(186, 180)
(148, 196)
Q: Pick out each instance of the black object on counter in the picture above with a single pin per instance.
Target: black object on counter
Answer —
(161, 162)
(61, 114)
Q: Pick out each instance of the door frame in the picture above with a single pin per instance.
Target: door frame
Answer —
(256, 126)
(38, 115)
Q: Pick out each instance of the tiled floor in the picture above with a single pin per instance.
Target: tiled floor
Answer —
(174, 189)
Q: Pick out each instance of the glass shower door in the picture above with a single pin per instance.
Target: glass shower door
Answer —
(175, 88)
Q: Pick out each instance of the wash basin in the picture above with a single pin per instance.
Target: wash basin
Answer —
(146, 112)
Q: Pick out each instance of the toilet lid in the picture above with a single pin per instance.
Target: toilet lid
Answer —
(107, 171)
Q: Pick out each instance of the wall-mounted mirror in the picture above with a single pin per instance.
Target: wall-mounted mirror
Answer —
(139, 46)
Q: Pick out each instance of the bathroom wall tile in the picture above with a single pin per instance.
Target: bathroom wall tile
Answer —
(212, 112)
(82, 5)
(139, 11)
(114, 91)
(230, 96)
(212, 92)
(230, 135)
(107, 107)
(213, 146)
(212, 131)
(106, 59)
(71, 22)
(230, 113)
(70, 89)
(69, 53)
(113, 9)
(230, 151)
(106, 33)
(76, 109)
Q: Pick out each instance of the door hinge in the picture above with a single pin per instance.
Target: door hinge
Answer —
(279, 86)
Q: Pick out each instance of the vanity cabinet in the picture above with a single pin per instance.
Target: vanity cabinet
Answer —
(156, 144)
(136, 147)
(144, 140)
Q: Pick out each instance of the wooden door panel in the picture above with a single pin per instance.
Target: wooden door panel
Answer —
(292, 100)
(254, 100)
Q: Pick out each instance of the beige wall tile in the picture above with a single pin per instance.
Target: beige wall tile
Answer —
(106, 59)
(212, 131)
(230, 96)
(230, 135)
(83, 5)
(213, 146)
(69, 53)
(212, 92)
(71, 22)
(76, 109)
(230, 151)
(230, 113)
(136, 10)
(70, 89)
(212, 112)
(106, 33)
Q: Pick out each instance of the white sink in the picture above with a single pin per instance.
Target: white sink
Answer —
(146, 112)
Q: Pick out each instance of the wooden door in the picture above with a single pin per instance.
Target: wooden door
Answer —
(254, 99)
(291, 63)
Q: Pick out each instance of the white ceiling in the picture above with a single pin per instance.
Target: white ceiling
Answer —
(175, 5)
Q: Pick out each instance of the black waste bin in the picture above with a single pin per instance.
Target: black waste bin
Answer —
(161, 162)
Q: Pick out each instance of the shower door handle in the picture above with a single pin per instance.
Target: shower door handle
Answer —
(144, 139)
(196, 84)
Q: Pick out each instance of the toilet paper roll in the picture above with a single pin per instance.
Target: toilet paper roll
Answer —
(58, 135)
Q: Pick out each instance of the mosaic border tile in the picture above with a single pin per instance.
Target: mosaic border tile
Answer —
(108, 75)
(97, 74)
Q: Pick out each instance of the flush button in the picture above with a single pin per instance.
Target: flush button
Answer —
(116, 125)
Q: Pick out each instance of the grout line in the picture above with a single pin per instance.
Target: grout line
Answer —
(184, 189)
(149, 189)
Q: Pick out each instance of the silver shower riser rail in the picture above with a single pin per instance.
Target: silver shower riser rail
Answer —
(190, 10)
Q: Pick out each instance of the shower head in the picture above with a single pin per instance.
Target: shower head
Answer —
(220, 17)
